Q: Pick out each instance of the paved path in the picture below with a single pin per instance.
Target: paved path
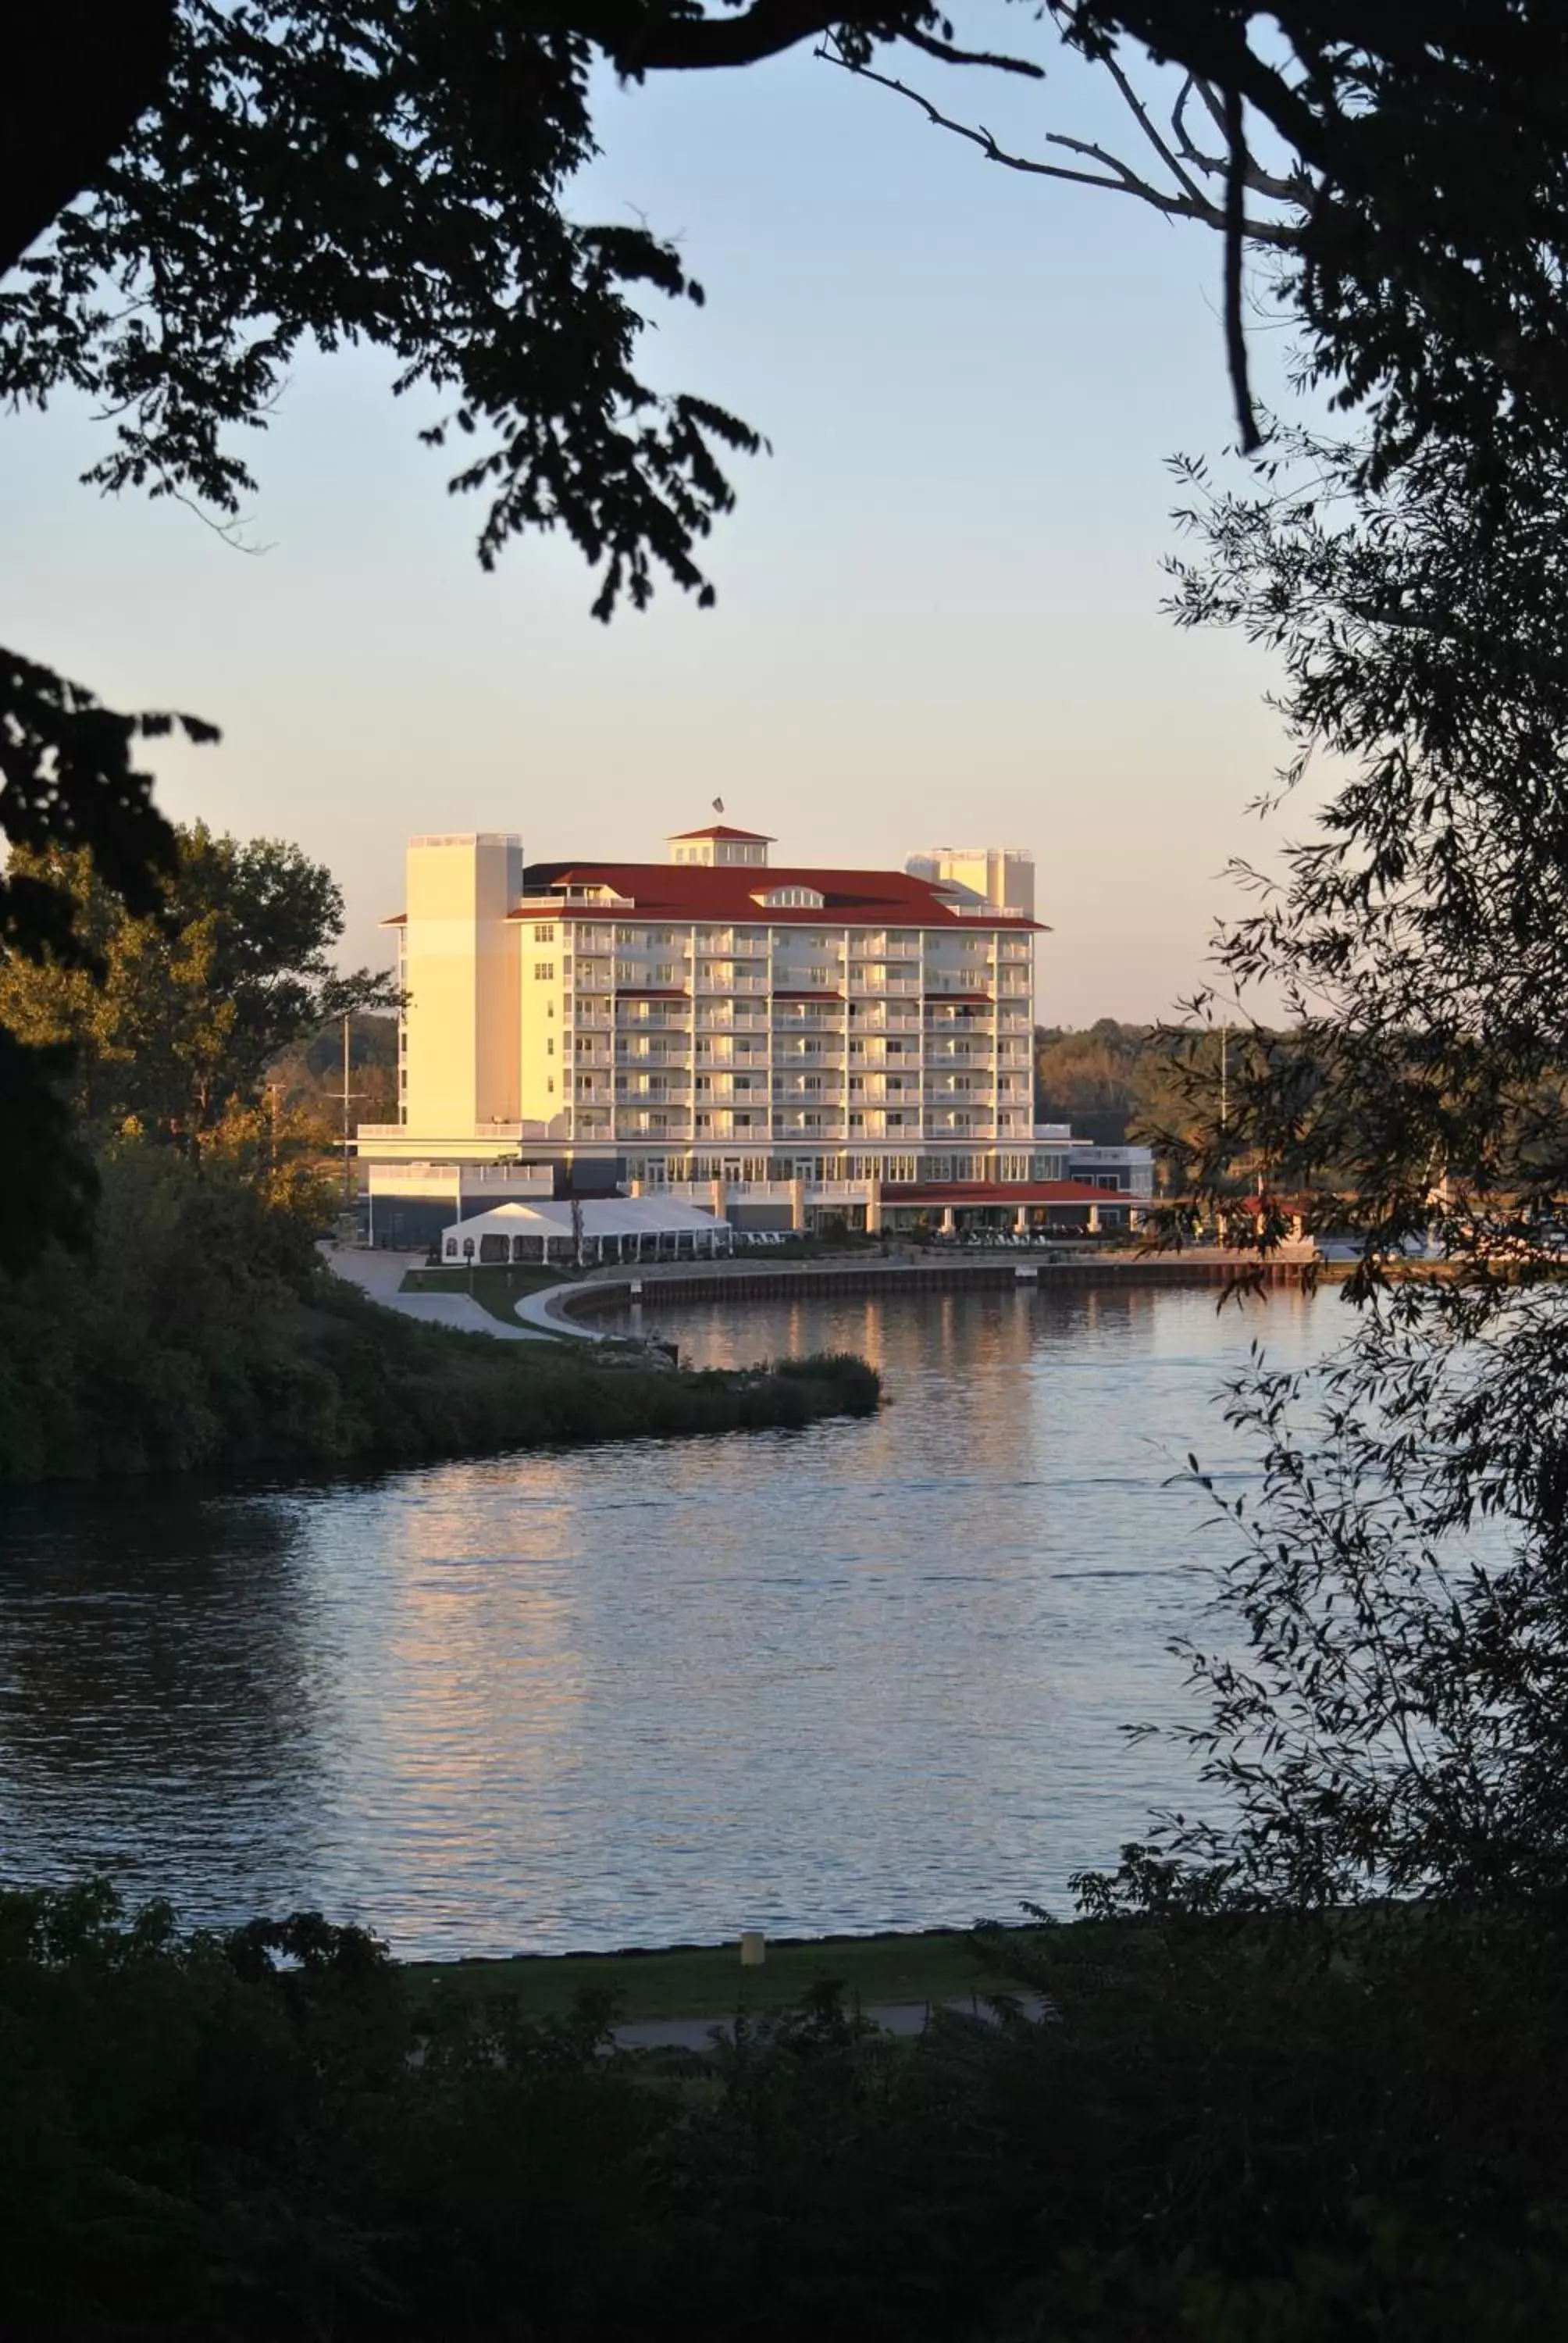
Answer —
(901, 2017)
(380, 1274)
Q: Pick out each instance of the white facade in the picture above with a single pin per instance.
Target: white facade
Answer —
(604, 1008)
(795, 1043)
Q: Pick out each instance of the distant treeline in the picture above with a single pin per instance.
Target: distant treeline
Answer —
(308, 1075)
(1114, 1082)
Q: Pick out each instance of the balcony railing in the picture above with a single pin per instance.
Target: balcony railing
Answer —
(716, 1016)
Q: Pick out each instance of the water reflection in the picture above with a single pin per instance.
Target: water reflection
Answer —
(865, 1675)
(164, 1688)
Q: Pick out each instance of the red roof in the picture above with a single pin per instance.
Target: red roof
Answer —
(721, 829)
(679, 891)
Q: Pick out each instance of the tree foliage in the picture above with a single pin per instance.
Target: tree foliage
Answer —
(1221, 2135)
(323, 172)
(1384, 1678)
(172, 1019)
(67, 787)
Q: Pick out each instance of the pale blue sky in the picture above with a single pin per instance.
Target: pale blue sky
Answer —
(938, 616)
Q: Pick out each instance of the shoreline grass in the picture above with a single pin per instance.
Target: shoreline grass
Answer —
(696, 1981)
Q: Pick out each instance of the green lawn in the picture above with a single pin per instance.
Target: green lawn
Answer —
(495, 1287)
(707, 1981)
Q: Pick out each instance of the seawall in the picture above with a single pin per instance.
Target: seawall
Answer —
(790, 1281)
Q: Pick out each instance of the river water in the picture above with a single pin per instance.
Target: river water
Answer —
(867, 1675)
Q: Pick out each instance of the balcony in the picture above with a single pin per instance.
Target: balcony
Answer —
(714, 982)
(715, 1015)
(865, 986)
(741, 1125)
(653, 1088)
(749, 1191)
(883, 1017)
(735, 1089)
(724, 1051)
(642, 1021)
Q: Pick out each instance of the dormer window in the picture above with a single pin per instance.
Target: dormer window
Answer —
(790, 898)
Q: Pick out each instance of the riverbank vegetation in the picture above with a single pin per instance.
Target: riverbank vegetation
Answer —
(1248, 2133)
(201, 1330)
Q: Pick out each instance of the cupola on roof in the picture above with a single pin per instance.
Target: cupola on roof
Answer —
(718, 844)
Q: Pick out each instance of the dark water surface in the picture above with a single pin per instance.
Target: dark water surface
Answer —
(866, 1675)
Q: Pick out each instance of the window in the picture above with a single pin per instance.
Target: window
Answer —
(544, 932)
(807, 899)
(550, 1046)
(544, 971)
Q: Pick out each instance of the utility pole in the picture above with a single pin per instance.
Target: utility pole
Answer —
(347, 1096)
(1224, 1077)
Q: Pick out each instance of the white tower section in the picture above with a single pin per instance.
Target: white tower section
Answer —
(999, 875)
(459, 969)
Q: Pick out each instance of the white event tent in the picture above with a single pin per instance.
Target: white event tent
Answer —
(615, 1228)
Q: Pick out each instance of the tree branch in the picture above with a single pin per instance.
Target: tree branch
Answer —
(688, 43)
(75, 75)
(1235, 239)
(1193, 203)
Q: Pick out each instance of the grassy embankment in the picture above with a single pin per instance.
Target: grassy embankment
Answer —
(493, 1287)
(202, 1331)
(928, 1965)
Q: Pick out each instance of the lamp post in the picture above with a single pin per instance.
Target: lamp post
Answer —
(347, 1096)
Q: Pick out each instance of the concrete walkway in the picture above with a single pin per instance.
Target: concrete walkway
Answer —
(381, 1275)
(905, 2019)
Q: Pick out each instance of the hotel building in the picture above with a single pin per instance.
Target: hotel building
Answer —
(783, 1044)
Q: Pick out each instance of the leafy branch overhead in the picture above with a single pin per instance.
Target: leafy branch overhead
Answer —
(399, 172)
